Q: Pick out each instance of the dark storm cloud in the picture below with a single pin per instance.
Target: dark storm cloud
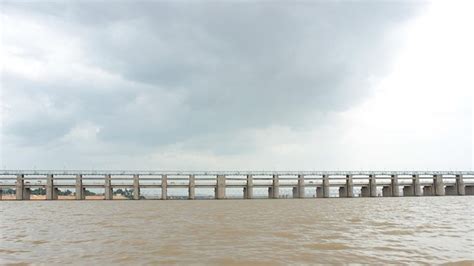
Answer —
(213, 69)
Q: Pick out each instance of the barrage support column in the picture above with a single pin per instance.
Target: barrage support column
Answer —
(275, 187)
(460, 187)
(300, 190)
(136, 187)
(164, 187)
(220, 187)
(349, 186)
(51, 191)
(80, 190)
(108, 188)
(325, 186)
(438, 185)
(192, 184)
(394, 186)
(249, 188)
(20, 187)
(416, 185)
(373, 186)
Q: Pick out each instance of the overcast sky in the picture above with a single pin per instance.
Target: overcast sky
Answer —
(237, 85)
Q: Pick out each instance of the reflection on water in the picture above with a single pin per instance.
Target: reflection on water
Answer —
(364, 230)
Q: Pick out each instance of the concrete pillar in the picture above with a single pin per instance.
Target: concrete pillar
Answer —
(365, 191)
(387, 191)
(220, 187)
(325, 186)
(408, 191)
(461, 191)
(20, 187)
(276, 187)
(164, 187)
(51, 193)
(394, 186)
(80, 190)
(438, 185)
(428, 191)
(349, 186)
(108, 188)
(416, 185)
(192, 184)
(301, 191)
(373, 185)
(136, 187)
(249, 188)
(342, 192)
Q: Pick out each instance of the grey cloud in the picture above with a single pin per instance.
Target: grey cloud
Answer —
(233, 66)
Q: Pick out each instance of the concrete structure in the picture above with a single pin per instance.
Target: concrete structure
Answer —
(438, 185)
(394, 186)
(433, 183)
(51, 191)
(300, 188)
(274, 192)
(248, 189)
(108, 188)
(372, 186)
(136, 187)
(80, 190)
(192, 185)
(164, 187)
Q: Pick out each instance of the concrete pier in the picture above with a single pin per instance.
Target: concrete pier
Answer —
(373, 185)
(349, 186)
(461, 188)
(192, 184)
(20, 188)
(136, 187)
(164, 187)
(414, 189)
(301, 190)
(248, 190)
(394, 186)
(51, 191)
(416, 185)
(80, 190)
(438, 185)
(220, 187)
(275, 187)
(108, 188)
(325, 186)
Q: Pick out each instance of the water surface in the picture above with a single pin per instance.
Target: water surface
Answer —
(360, 230)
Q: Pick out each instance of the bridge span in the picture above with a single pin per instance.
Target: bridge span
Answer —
(369, 183)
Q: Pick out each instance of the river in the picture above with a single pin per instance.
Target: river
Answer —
(286, 231)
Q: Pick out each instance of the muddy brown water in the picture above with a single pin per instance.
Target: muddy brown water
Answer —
(427, 230)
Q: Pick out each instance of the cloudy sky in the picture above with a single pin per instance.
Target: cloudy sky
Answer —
(271, 85)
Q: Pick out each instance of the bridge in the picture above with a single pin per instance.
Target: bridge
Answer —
(369, 183)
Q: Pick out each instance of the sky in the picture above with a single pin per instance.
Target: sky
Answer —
(237, 85)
